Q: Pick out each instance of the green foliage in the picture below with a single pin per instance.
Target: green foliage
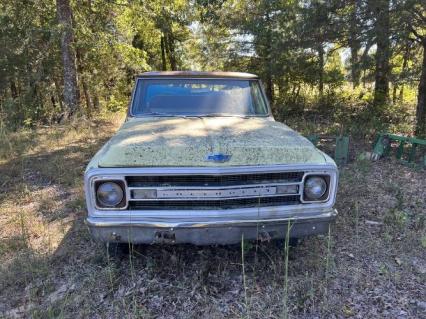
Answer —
(306, 52)
(116, 105)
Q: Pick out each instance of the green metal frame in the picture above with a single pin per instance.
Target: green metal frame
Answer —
(341, 152)
(382, 147)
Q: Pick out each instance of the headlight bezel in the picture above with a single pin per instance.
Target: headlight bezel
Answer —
(99, 205)
(325, 197)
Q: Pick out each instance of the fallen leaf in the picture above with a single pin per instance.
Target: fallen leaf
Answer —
(398, 261)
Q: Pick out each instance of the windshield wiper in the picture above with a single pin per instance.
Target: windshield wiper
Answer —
(197, 116)
(223, 115)
(170, 115)
(159, 114)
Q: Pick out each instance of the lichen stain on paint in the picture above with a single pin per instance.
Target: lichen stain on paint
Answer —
(143, 142)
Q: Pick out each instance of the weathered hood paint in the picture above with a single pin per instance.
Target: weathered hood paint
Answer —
(160, 141)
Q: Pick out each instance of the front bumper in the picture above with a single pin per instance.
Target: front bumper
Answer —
(206, 232)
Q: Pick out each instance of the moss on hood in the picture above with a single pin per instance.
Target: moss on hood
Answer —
(159, 141)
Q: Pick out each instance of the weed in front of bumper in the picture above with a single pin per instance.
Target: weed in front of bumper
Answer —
(244, 277)
(286, 253)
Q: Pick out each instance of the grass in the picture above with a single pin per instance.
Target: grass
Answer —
(246, 301)
(286, 254)
(50, 267)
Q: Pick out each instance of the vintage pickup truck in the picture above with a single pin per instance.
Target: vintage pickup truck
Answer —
(200, 159)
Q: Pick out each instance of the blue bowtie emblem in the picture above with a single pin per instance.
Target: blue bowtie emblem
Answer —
(218, 158)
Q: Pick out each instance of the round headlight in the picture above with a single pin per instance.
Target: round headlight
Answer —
(315, 187)
(109, 194)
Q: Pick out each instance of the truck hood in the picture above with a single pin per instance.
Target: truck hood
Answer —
(161, 141)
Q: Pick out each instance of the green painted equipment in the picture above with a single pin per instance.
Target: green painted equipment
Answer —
(341, 151)
(383, 146)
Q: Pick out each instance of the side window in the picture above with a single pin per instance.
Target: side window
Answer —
(137, 99)
(259, 99)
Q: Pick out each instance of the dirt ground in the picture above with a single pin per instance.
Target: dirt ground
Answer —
(371, 265)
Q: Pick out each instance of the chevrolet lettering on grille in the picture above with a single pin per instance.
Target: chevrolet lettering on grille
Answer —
(213, 193)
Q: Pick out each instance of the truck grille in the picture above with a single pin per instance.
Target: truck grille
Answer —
(213, 192)
(211, 180)
(215, 204)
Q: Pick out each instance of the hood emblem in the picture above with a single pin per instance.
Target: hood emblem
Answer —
(218, 158)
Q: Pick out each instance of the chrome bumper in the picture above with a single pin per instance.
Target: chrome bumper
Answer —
(206, 231)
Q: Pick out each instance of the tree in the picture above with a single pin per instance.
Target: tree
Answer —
(417, 24)
(319, 28)
(71, 92)
(354, 41)
(382, 33)
(52, 50)
(421, 97)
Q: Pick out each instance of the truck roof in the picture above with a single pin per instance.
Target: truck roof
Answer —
(197, 74)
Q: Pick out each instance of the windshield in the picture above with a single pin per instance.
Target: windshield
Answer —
(199, 97)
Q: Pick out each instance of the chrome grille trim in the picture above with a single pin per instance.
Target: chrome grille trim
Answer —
(217, 190)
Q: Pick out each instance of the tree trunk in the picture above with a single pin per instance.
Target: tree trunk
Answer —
(267, 55)
(381, 88)
(173, 63)
(363, 62)
(364, 80)
(421, 98)
(84, 84)
(170, 49)
(321, 69)
(403, 71)
(163, 54)
(401, 94)
(296, 95)
(71, 93)
(13, 89)
(58, 93)
(87, 97)
(354, 44)
(52, 99)
(96, 101)
(394, 87)
(355, 72)
(269, 88)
